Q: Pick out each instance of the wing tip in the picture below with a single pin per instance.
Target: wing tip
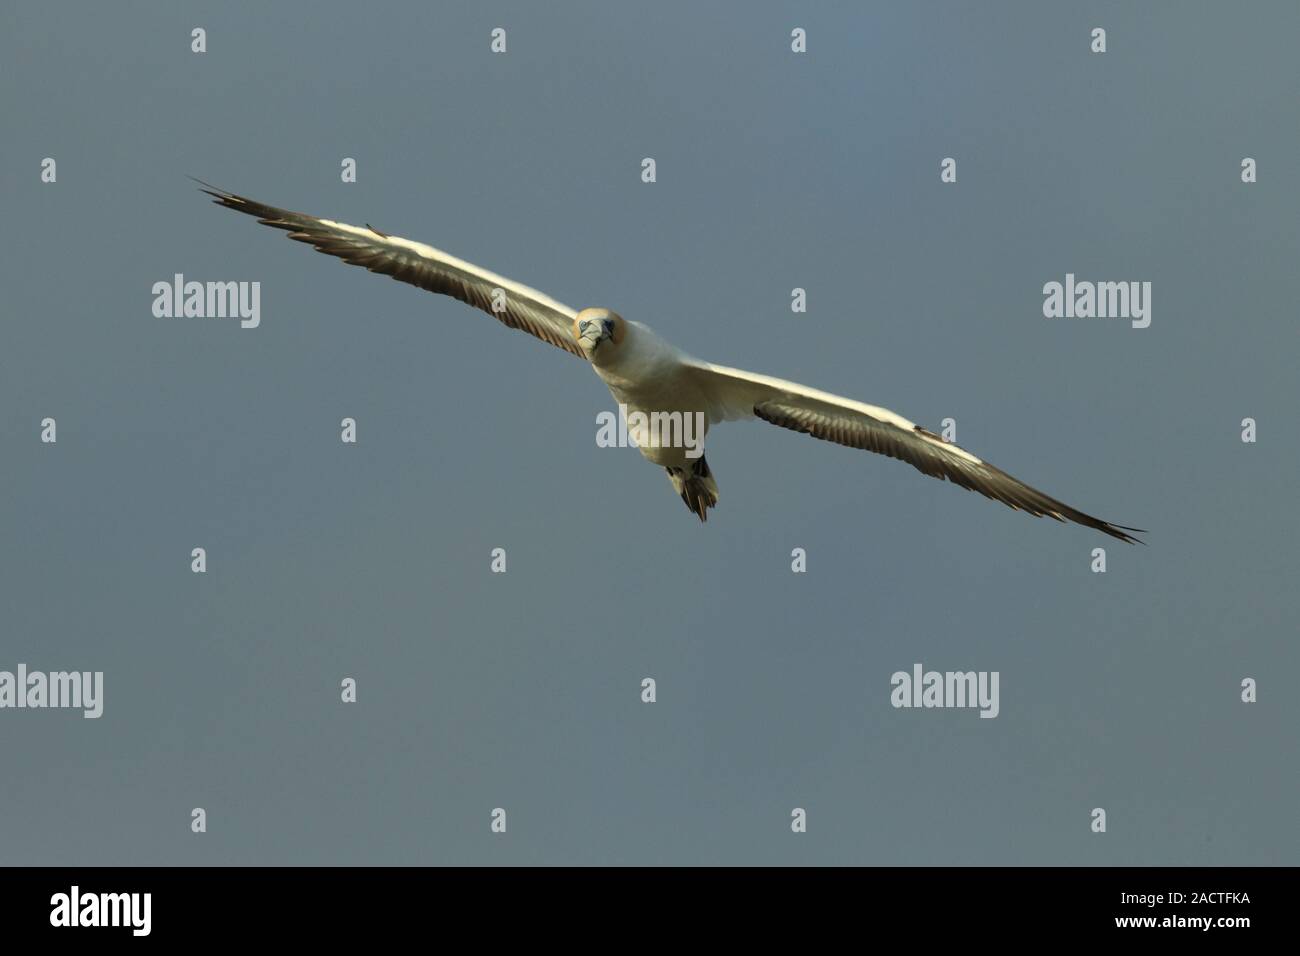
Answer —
(207, 187)
(1121, 531)
(221, 197)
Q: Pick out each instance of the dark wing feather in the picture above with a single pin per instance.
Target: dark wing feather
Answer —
(731, 393)
(419, 265)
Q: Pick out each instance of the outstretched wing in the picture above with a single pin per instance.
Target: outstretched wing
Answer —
(516, 305)
(732, 394)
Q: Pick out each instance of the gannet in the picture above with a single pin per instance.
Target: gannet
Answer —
(648, 375)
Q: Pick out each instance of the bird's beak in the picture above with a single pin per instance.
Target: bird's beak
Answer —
(594, 337)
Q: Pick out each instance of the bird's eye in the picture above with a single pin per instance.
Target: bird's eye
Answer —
(584, 325)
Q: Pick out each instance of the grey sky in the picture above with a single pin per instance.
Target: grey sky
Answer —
(775, 170)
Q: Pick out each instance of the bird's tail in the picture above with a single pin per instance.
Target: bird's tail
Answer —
(696, 486)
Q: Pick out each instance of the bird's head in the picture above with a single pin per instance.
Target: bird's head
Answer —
(599, 332)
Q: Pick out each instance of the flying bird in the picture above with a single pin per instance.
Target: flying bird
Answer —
(649, 376)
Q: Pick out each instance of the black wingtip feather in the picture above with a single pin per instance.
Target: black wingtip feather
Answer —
(1119, 531)
(218, 194)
